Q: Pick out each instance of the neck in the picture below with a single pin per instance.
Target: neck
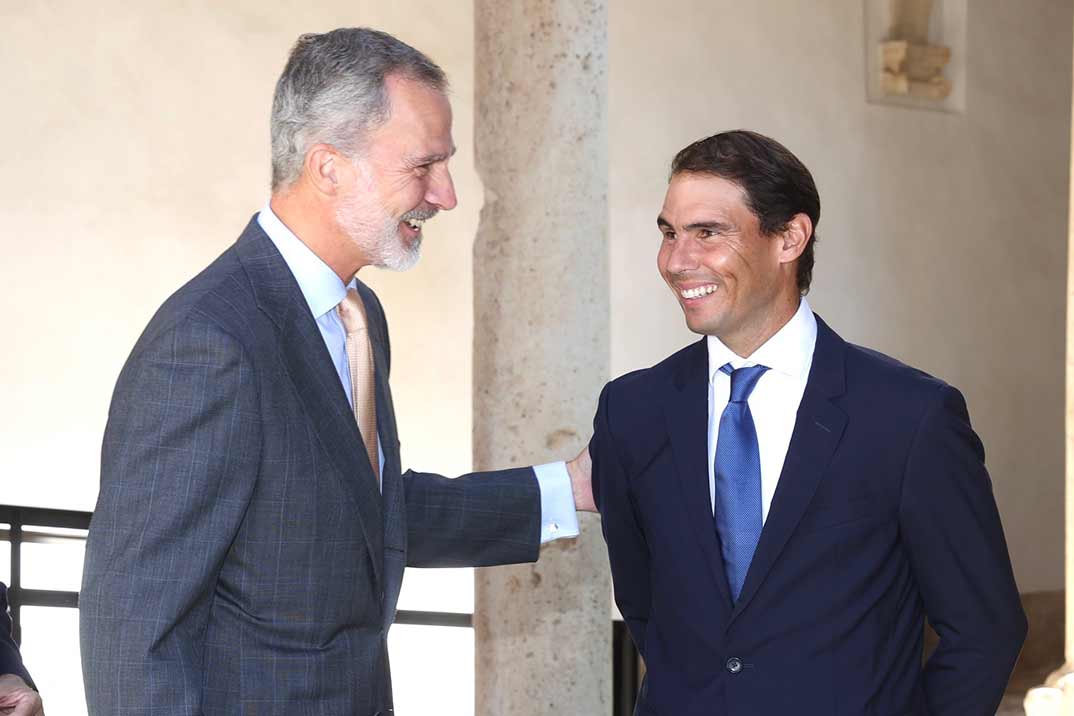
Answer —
(747, 340)
(314, 223)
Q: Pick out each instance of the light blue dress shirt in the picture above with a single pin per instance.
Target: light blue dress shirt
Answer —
(323, 291)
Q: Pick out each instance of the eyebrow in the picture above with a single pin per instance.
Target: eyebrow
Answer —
(713, 226)
(434, 158)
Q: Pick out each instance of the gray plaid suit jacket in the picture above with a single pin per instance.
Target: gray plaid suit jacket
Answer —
(241, 559)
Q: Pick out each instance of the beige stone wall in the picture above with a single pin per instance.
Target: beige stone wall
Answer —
(943, 237)
(135, 150)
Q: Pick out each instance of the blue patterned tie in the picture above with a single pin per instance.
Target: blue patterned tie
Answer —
(738, 479)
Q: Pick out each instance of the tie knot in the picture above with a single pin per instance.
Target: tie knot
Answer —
(352, 312)
(743, 380)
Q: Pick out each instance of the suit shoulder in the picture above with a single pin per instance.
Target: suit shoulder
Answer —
(632, 404)
(220, 298)
(658, 376)
(893, 382)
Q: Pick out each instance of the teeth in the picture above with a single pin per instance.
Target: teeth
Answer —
(697, 292)
(415, 223)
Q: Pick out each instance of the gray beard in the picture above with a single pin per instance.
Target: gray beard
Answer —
(379, 238)
(388, 250)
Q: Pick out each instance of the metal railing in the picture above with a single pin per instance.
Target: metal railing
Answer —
(41, 521)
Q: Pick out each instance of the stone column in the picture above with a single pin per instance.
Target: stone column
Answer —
(1056, 697)
(541, 350)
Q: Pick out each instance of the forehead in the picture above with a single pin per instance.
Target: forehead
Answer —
(690, 195)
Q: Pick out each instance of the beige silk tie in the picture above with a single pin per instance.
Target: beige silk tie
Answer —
(360, 358)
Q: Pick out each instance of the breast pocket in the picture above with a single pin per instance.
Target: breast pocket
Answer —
(839, 513)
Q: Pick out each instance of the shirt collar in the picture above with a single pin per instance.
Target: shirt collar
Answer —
(789, 351)
(321, 287)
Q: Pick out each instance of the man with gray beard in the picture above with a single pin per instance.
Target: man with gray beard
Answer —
(253, 522)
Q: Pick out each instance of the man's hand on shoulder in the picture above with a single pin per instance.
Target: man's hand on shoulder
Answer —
(18, 699)
(580, 470)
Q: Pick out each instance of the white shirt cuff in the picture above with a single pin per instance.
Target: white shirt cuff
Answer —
(558, 516)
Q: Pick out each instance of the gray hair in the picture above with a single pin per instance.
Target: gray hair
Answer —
(332, 91)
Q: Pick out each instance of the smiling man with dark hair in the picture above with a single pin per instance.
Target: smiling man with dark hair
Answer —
(783, 509)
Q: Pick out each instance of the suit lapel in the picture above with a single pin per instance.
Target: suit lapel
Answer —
(818, 429)
(316, 382)
(391, 478)
(686, 416)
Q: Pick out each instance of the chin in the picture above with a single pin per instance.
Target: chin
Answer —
(700, 329)
(703, 325)
(403, 257)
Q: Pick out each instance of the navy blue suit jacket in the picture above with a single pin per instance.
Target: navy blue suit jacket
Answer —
(10, 658)
(883, 515)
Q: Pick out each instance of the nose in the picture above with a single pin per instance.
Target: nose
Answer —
(441, 192)
(679, 256)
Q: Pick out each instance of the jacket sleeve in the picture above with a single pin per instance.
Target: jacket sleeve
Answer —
(179, 463)
(477, 520)
(951, 528)
(628, 551)
(10, 658)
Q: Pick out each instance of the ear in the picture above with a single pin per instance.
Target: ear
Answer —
(326, 169)
(795, 238)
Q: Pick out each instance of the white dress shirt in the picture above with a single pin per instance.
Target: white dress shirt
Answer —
(775, 399)
(323, 291)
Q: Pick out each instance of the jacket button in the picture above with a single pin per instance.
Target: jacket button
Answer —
(734, 665)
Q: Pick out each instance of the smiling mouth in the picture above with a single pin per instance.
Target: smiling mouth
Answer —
(697, 292)
(415, 219)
